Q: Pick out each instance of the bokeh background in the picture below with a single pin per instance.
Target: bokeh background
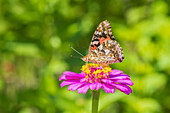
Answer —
(34, 52)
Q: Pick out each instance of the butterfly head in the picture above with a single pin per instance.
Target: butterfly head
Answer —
(85, 58)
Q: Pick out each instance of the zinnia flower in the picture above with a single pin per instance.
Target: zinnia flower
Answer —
(96, 76)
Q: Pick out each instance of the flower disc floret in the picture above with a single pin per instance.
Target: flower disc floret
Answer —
(95, 72)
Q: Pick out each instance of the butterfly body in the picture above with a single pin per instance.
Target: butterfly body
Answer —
(104, 49)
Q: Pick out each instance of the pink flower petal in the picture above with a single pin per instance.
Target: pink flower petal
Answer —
(116, 72)
(98, 85)
(125, 82)
(64, 83)
(72, 77)
(124, 88)
(62, 78)
(83, 89)
(69, 73)
(108, 88)
(83, 80)
(73, 87)
(122, 76)
(92, 86)
(129, 91)
(107, 81)
(67, 82)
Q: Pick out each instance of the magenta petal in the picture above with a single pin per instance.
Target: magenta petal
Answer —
(68, 77)
(64, 83)
(129, 91)
(72, 77)
(62, 77)
(67, 82)
(120, 87)
(124, 88)
(73, 87)
(122, 76)
(108, 88)
(98, 85)
(116, 72)
(72, 73)
(106, 81)
(83, 80)
(127, 82)
(83, 89)
(92, 86)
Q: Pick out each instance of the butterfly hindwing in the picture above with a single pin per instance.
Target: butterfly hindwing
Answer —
(108, 52)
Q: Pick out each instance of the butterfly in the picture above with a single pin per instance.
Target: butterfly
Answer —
(104, 49)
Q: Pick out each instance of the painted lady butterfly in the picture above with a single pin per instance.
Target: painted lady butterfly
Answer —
(104, 49)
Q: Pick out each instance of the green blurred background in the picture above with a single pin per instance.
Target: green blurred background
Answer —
(34, 52)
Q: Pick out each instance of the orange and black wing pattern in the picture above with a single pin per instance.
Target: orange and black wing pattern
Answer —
(104, 49)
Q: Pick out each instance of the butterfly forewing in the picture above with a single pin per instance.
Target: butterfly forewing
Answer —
(102, 33)
(103, 48)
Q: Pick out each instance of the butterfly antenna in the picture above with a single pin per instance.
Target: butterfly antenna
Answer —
(76, 51)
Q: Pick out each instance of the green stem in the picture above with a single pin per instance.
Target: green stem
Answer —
(95, 101)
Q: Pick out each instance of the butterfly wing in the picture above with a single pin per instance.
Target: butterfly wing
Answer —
(108, 52)
(103, 48)
(101, 34)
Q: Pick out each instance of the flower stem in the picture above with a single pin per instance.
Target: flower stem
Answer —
(95, 101)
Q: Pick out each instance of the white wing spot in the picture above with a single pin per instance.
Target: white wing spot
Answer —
(106, 23)
(106, 51)
(95, 51)
(113, 43)
(109, 41)
(100, 47)
(97, 32)
(101, 57)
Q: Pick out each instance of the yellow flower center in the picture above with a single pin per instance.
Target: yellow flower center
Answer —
(94, 72)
